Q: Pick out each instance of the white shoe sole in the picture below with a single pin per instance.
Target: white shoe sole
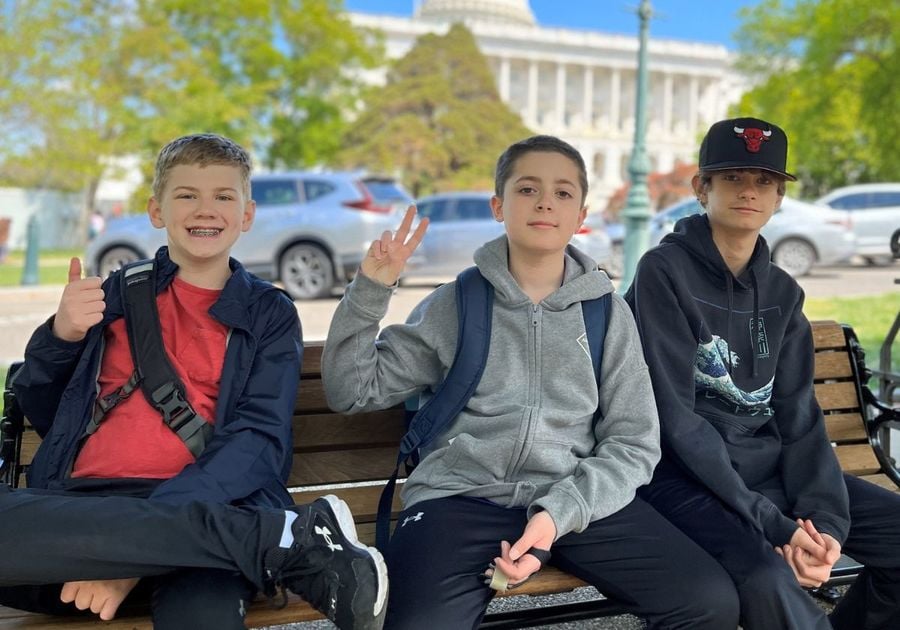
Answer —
(348, 529)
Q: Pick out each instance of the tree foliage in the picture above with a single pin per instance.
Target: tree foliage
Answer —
(83, 82)
(827, 72)
(438, 122)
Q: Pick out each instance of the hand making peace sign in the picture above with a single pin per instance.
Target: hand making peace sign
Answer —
(387, 256)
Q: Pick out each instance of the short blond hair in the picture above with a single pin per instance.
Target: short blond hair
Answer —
(201, 149)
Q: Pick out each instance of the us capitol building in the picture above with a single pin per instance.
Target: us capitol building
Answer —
(580, 84)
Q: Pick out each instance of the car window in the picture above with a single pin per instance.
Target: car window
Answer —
(884, 199)
(850, 202)
(436, 211)
(315, 188)
(473, 209)
(386, 190)
(275, 191)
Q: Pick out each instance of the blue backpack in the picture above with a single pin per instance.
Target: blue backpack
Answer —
(474, 307)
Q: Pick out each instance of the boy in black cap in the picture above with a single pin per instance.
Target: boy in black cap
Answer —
(747, 469)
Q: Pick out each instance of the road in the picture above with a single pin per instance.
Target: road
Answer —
(23, 309)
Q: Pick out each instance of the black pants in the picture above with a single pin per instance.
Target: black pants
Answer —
(440, 548)
(769, 593)
(49, 539)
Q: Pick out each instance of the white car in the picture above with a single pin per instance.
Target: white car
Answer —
(799, 235)
(311, 230)
(873, 213)
(461, 222)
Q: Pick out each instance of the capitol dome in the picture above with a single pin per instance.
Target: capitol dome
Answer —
(511, 12)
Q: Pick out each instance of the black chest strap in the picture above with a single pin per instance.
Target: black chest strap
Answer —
(152, 370)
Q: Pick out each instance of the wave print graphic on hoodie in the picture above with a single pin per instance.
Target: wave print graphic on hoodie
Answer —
(711, 376)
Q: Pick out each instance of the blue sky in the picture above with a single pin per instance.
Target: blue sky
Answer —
(712, 21)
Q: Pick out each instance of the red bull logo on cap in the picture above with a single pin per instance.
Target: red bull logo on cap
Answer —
(753, 137)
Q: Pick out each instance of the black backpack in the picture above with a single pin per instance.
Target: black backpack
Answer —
(153, 372)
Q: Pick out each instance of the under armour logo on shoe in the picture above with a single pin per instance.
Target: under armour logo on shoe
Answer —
(325, 533)
(414, 517)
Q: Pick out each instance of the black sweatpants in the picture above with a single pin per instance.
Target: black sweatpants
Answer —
(769, 593)
(49, 539)
(441, 547)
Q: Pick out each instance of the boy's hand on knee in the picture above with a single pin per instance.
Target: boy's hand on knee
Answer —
(102, 597)
(80, 307)
(387, 256)
(514, 560)
(810, 555)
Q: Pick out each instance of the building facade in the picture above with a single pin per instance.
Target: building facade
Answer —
(581, 85)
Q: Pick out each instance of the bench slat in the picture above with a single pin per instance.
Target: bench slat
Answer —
(369, 464)
(857, 459)
(842, 427)
(837, 396)
(828, 335)
(832, 366)
(325, 431)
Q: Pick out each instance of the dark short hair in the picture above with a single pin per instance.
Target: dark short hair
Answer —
(202, 149)
(543, 144)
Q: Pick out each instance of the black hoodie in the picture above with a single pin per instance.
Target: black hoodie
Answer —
(731, 360)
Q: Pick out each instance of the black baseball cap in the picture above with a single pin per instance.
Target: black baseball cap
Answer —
(745, 143)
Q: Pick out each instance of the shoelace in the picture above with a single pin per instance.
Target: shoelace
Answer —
(300, 565)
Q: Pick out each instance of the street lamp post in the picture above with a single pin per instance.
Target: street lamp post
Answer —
(637, 208)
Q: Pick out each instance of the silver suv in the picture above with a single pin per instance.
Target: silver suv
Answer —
(873, 213)
(311, 230)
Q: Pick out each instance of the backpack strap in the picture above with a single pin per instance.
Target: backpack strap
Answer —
(474, 309)
(153, 372)
(596, 320)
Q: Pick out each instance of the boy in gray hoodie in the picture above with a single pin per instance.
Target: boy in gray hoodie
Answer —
(523, 469)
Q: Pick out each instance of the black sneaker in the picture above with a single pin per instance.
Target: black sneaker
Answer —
(329, 568)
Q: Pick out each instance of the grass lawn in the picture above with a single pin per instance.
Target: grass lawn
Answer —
(53, 266)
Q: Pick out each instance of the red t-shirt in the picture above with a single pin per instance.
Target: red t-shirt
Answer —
(132, 440)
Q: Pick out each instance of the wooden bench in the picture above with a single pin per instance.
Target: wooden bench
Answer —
(361, 450)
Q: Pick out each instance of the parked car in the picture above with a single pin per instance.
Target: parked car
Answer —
(873, 213)
(799, 235)
(460, 222)
(311, 230)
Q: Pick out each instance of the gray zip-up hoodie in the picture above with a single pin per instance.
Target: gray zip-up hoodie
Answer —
(526, 438)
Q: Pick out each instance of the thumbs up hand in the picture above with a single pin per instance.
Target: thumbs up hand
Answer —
(80, 307)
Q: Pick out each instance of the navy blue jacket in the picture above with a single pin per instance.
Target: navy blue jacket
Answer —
(248, 460)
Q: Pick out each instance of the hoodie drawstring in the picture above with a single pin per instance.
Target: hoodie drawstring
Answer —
(730, 288)
(755, 327)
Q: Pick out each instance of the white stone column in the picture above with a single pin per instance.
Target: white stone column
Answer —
(615, 113)
(588, 103)
(693, 98)
(561, 95)
(504, 79)
(612, 159)
(533, 92)
(667, 104)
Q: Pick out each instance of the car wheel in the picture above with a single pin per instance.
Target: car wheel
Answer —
(895, 244)
(306, 271)
(795, 256)
(615, 265)
(115, 258)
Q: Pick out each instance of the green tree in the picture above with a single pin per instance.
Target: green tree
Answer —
(83, 82)
(827, 71)
(438, 122)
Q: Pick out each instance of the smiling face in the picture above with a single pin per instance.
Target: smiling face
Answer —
(203, 209)
(541, 206)
(740, 201)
